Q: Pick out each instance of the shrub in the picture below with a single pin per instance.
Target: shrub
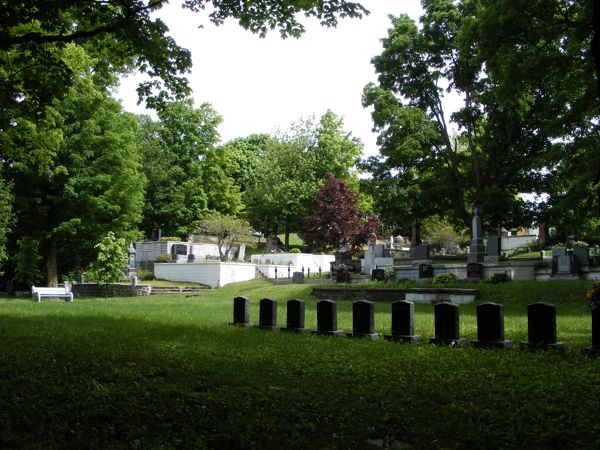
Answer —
(295, 250)
(170, 238)
(502, 277)
(144, 275)
(444, 278)
(164, 258)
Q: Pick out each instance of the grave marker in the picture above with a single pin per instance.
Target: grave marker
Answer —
(490, 327)
(295, 317)
(327, 319)
(363, 320)
(403, 323)
(541, 328)
(447, 329)
(241, 312)
(267, 319)
(594, 350)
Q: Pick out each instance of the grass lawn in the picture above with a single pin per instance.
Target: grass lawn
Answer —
(167, 372)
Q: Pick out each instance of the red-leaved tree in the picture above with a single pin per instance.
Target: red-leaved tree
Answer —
(336, 219)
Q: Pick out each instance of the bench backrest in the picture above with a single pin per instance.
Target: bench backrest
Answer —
(49, 290)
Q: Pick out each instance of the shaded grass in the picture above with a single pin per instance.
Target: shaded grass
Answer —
(168, 373)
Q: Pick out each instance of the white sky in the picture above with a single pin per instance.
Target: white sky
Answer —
(261, 85)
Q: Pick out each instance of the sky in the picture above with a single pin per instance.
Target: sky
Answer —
(263, 85)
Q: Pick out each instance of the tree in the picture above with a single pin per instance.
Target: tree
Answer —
(6, 219)
(336, 220)
(111, 260)
(173, 150)
(542, 59)
(75, 174)
(507, 137)
(290, 171)
(227, 229)
(123, 35)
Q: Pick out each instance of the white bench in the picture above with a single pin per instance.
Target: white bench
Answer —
(51, 292)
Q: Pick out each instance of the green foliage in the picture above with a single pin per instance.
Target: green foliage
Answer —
(172, 152)
(112, 259)
(528, 123)
(170, 238)
(291, 169)
(165, 258)
(295, 250)
(144, 275)
(6, 219)
(501, 277)
(445, 278)
(227, 229)
(28, 262)
(439, 232)
(75, 174)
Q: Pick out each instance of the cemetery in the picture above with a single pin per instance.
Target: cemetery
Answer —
(419, 269)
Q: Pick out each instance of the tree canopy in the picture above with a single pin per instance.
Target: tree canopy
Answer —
(525, 77)
(336, 220)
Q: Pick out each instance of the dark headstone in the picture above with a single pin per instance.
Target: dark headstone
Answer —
(241, 311)
(474, 271)
(267, 318)
(490, 326)
(494, 246)
(447, 329)
(541, 328)
(559, 251)
(403, 322)
(425, 271)
(582, 255)
(191, 258)
(363, 320)
(298, 277)
(419, 252)
(594, 350)
(378, 274)
(327, 318)
(295, 317)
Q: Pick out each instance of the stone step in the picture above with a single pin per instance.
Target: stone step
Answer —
(158, 290)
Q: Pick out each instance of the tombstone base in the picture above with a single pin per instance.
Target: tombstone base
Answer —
(492, 344)
(492, 260)
(243, 325)
(266, 327)
(411, 339)
(592, 352)
(460, 343)
(295, 330)
(329, 333)
(373, 336)
(563, 277)
(556, 347)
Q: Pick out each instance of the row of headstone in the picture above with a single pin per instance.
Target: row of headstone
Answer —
(541, 322)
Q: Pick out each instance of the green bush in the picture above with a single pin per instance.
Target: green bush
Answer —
(295, 250)
(144, 275)
(170, 238)
(502, 277)
(165, 258)
(444, 278)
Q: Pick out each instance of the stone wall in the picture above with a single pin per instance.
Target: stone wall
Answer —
(114, 290)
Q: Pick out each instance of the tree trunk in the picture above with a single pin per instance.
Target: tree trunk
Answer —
(596, 43)
(51, 265)
(415, 237)
(286, 245)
